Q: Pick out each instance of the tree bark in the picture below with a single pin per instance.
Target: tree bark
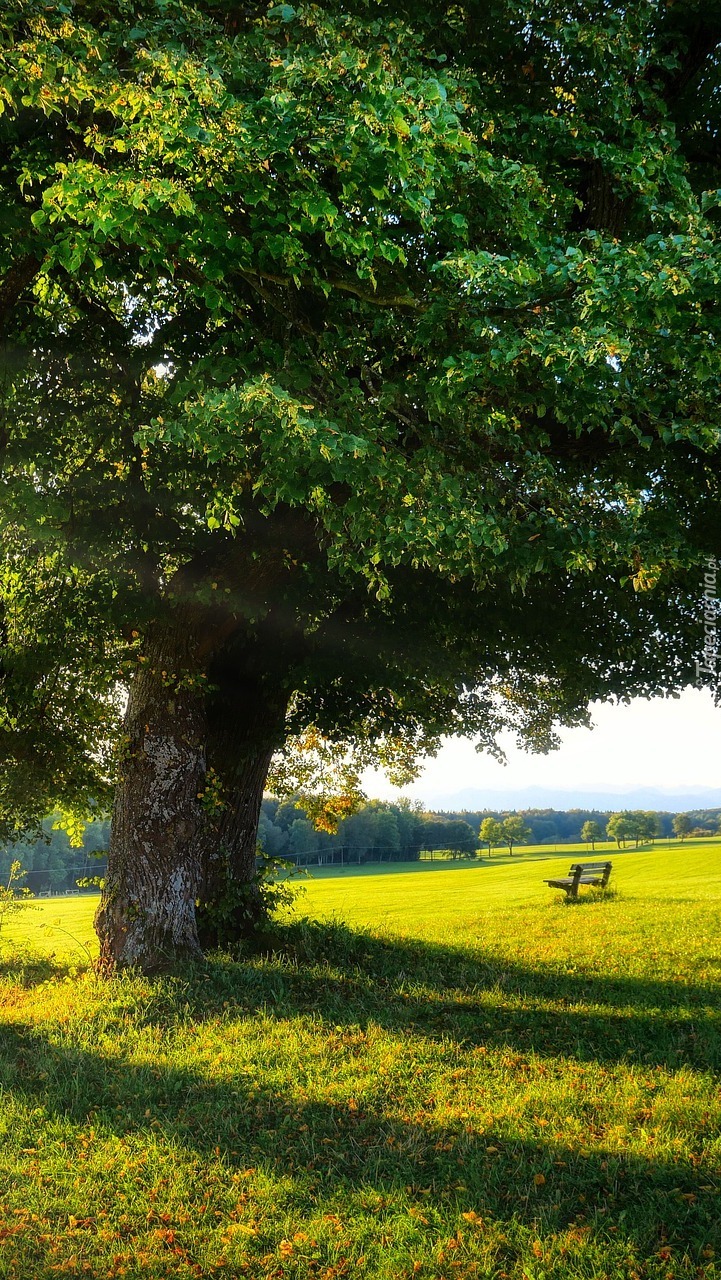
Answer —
(246, 725)
(159, 830)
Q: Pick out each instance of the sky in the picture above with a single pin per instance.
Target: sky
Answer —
(664, 743)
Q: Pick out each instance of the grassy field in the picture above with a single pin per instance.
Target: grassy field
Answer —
(438, 1072)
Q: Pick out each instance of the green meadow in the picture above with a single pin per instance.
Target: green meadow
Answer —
(427, 1070)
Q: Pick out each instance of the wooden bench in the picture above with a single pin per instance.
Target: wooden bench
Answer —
(594, 873)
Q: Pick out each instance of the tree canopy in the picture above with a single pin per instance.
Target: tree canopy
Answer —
(360, 371)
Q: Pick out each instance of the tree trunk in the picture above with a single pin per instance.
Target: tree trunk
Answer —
(238, 833)
(159, 829)
(246, 717)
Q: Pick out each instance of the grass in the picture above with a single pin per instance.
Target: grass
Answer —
(442, 1072)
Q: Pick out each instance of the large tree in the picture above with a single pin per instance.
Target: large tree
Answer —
(360, 382)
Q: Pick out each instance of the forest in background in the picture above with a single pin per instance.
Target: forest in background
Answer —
(380, 831)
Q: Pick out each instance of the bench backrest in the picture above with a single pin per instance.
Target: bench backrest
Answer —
(579, 869)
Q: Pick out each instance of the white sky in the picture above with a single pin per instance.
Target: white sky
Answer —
(661, 742)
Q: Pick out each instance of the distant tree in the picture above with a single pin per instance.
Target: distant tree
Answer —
(591, 832)
(459, 837)
(619, 828)
(682, 825)
(655, 825)
(272, 839)
(515, 831)
(433, 832)
(491, 833)
(56, 873)
(302, 839)
(410, 823)
(634, 824)
(645, 827)
(386, 836)
(357, 833)
(632, 827)
(543, 830)
(286, 814)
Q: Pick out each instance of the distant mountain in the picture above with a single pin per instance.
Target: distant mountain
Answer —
(658, 798)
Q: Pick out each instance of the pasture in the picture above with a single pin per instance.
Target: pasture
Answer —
(434, 1071)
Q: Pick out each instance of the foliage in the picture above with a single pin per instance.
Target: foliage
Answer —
(377, 831)
(591, 831)
(237, 910)
(552, 1075)
(59, 657)
(682, 825)
(634, 824)
(492, 832)
(515, 831)
(13, 896)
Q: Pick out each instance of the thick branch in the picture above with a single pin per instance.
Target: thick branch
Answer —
(404, 300)
(14, 283)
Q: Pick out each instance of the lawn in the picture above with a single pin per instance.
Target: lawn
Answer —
(439, 1072)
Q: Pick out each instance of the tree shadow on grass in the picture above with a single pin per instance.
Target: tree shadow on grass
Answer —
(347, 976)
(441, 992)
(26, 968)
(325, 1156)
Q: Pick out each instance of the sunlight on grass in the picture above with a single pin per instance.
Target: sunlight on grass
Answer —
(438, 1073)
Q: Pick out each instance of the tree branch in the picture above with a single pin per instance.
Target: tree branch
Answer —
(13, 284)
(346, 286)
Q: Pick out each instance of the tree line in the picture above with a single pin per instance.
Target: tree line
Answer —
(380, 831)
(642, 826)
(384, 832)
(51, 863)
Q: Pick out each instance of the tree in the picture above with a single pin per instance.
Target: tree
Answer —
(515, 831)
(617, 828)
(460, 837)
(272, 839)
(682, 825)
(386, 837)
(654, 827)
(591, 832)
(357, 360)
(410, 823)
(302, 839)
(491, 833)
